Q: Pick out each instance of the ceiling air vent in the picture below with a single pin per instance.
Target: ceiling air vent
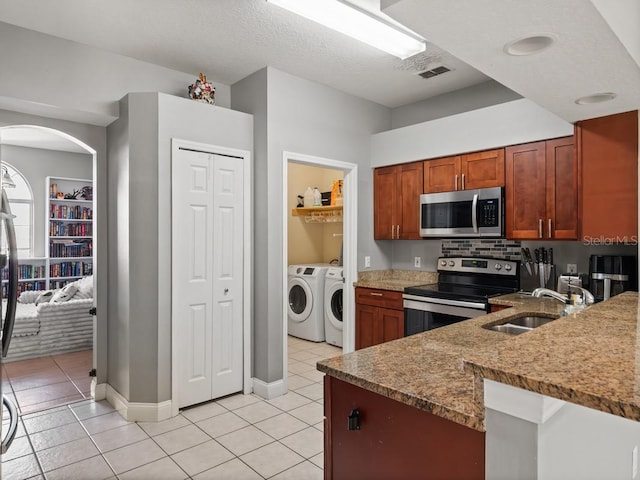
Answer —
(434, 72)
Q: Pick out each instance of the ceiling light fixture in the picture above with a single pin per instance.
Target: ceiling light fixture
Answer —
(356, 24)
(530, 45)
(596, 98)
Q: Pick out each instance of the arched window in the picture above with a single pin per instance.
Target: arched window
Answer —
(21, 203)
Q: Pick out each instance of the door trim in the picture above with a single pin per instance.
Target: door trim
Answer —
(247, 306)
(350, 245)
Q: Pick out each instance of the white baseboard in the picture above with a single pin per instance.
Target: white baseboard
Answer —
(269, 390)
(138, 412)
(98, 390)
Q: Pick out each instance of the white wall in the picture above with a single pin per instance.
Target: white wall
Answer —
(140, 241)
(518, 121)
(46, 75)
(307, 118)
(36, 165)
(471, 98)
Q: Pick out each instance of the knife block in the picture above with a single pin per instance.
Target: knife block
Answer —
(528, 283)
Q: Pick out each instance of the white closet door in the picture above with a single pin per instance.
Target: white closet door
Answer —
(228, 245)
(207, 239)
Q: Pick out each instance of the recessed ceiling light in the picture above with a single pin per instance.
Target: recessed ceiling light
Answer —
(596, 98)
(530, 45)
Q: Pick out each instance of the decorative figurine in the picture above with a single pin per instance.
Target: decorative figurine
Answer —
(202, 91)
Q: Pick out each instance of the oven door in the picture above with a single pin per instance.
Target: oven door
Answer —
(426, 313)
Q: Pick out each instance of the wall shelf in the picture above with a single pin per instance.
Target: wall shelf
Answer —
(330, 214)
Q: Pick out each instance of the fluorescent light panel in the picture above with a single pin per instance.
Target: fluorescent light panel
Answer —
(356, 24)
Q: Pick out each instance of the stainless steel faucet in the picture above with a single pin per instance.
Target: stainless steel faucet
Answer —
(546, 292)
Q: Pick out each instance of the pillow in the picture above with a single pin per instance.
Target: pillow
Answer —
(45, 297)
(29, 296)
(64, 294)
(84, 287)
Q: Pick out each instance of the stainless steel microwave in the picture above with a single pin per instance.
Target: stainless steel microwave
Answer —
(463, 213)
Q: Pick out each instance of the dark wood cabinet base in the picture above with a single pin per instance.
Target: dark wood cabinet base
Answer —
(394, 440)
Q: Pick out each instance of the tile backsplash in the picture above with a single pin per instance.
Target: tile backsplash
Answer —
(473, 247)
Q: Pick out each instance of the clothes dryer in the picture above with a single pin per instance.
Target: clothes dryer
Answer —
(305, 310)
(333, 298)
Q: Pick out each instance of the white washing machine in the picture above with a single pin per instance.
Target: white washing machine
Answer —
(333, 297)
(306, 294)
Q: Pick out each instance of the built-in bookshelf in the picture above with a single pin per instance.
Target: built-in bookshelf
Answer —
(68, 239)
(69, 232)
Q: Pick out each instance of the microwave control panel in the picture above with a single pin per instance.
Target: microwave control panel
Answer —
(489, 213)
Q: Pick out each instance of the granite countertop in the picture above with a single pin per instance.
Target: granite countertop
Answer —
(587, 358)
(395, 280)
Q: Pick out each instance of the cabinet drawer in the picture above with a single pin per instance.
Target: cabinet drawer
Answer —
(379, 298)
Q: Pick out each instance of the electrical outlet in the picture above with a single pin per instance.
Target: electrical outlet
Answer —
(572, 268)
(634, 462)
(367, 261)
(417, 262)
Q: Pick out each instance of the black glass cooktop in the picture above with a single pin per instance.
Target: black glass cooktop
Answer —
(458, 292)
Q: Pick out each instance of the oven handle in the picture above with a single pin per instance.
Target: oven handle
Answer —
(419, 300)
(461, 312)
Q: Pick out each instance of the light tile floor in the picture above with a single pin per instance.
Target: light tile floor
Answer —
(241, 437)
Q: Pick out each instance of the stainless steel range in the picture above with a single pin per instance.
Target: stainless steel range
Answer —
(464, 287)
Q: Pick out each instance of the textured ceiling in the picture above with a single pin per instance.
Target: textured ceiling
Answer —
(230, 39)
(587, 58)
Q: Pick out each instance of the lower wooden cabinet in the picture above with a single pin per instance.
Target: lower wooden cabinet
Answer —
(379, 316)
(394, 440)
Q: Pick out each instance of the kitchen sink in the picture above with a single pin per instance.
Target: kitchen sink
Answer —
(522, 324)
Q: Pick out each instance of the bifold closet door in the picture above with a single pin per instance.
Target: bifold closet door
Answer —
(207, 249)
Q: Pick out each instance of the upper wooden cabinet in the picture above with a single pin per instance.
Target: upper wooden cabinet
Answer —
(608, 148)
(396, 201)
(542, 190)
(465, 172)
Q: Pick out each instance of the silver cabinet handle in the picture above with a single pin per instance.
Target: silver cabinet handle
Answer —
(456, 182)
(550, 228)
(463, 181)
(393, 229)
(539, 228)
(398, 231)
(374, 294)
(474, 213)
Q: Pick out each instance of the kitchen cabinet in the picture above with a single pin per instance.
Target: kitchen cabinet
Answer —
(390, 439)
(396, 201)
(497, 308)
(465, 172)
(379, 316)
(541, 190)
(608, 150)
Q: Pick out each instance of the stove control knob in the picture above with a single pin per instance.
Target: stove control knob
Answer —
(507, 267)
(498, 266)
(443, 263)
(452, 263)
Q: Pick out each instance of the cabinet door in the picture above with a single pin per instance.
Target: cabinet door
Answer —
(562, 189)
(608, 149)
(442, 175)
(410, 183)
(525, 184)
(482, 170)
(367, 326)
(385, 199)
(391, 324)
(394, 440)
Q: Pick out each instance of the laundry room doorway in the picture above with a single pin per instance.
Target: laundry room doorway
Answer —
(319, 252)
